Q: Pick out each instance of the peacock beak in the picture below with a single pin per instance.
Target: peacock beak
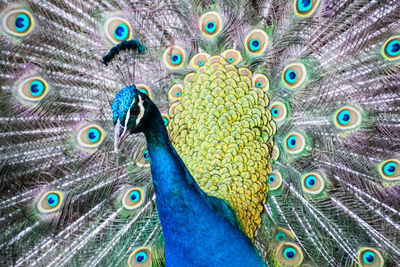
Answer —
(120, 133)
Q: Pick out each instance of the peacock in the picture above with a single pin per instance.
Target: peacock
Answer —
(200, 133)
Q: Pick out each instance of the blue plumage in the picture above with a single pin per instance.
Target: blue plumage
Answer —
(199, 230)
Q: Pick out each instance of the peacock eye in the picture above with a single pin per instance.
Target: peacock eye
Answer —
(33, 89)
(174, 57)
(294, 75)
(18, 22)
(312, 183)
(166, 119)
(390, 169)
(117, 30)
(256, 42)
(369, 257)
(210, 24)
(199, 60)
(232, 56)
(294, 143)
(50, 202)
(274, 180)
(347, 118)
(175, 92)
(142, 158)
(140, 257)
(260, 81)
(132, 198)
(144, 89)
(289, 254)
(90, 136)
(391, 48)
(278, 111)
(304, 8)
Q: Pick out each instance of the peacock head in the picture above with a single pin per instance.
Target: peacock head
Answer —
(130, 110)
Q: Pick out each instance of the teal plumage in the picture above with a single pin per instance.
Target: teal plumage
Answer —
(294, 124)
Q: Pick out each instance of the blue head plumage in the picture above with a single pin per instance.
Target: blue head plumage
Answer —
(128, 108)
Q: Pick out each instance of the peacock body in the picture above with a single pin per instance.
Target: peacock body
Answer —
(270, 130)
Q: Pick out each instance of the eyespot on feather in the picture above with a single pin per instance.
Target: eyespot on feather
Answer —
(294, 143)
(199, 60)
(142, 158)
(274, 180)
(50, 202)
(347, 118)
(33, 89)
(289, 254)
(278, 111)
(256, 42)
(175, 92)
(174, 57)
(117, 30)
(132, 198)
(305, 8)
(312, 183)
(141, 257)
(144, 89)
(294, 75)
(90, 136)
(232, 56)
(390, 170)
(19, 22)
(391, 48)
(260, 81)
(210, 24)
(369, 257)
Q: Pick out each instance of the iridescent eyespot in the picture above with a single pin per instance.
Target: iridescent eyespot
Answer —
(90, 136)
(369, 257)
(174, 57)
(18, 22)
(50, 201)
(232, 56)
(142, 158)
(132, 198)
(278, 111)
(166, 119)
(256, 42)
(275, 153)
(294, 143)
(294, 75)
(144, 89)
(347, 118)
(390, 169)
(117, 30)
(391, 48)
(210, 24)
(199, 60)
(141, 257)
(305, 8)
(175, 92)
(312, 183)
(274, 180)
(33, 89)
(289, 254)
(260, 81)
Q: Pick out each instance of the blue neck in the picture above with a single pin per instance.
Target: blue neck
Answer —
(199, 230)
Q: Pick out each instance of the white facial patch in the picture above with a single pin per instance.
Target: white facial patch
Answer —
(140, 116)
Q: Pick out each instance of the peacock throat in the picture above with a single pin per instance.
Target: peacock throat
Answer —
(222, 129)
